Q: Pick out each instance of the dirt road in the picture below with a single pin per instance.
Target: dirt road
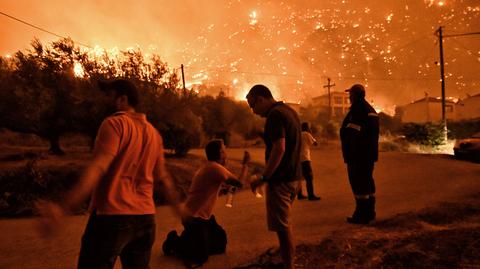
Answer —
(405, 182)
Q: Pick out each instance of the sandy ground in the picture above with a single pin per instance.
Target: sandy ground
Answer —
(405, 183)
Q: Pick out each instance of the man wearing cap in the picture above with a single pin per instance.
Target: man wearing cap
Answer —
(359, 135)
(127, 157)
(282, 136)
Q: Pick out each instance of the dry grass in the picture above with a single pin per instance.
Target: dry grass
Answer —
(444, 236)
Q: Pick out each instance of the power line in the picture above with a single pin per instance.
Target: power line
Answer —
(40, 28)
(463, 34)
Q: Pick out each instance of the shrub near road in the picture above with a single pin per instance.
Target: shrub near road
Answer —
(28, 174)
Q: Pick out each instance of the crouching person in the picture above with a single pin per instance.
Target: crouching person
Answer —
(202, 235)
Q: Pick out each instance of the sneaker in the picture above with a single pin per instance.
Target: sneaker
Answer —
(314, 198)
(167, 245)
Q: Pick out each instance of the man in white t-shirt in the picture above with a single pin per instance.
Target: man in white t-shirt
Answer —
(305, 159)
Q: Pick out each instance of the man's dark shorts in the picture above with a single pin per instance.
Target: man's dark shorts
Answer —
(199, 239)
(108, 236)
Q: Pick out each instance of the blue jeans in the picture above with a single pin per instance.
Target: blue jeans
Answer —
(108, 236)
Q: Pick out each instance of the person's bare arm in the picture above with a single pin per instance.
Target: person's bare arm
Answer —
(51, 212)
(242, 179)
(276, 155)
(92, 174)
(313, 140)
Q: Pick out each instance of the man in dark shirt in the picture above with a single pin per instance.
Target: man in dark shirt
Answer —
(359, 136)
(282, 138)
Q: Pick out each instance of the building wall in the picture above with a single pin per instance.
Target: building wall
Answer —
(469, 108)
(428, 111)
(435, 109)
(338, 100)
(415, 112)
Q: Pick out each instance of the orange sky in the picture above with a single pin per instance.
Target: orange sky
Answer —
(104, 22)
(296, 45)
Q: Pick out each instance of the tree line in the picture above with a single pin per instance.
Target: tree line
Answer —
(41, 94)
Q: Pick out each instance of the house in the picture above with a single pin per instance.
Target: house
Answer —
(469, 108)
(339, 103)
(428, 109)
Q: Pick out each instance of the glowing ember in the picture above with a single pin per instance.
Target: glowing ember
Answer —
(279, 43)
(78, 70)
(253, 18)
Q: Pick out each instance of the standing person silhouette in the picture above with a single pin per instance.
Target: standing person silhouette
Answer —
(306, 161)
(359, 136)
(127, 158)
(282, 136)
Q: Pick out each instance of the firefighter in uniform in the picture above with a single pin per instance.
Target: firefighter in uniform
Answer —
(359, 137)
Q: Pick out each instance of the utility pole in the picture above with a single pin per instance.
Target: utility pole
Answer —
(328, 86)
(442, 79)
(441, 36)
(183, 77)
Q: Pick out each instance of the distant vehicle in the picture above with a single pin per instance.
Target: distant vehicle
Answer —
(468, 148)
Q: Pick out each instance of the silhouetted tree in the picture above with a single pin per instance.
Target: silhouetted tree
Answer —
(41, 94)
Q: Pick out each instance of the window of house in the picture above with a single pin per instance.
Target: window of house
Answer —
(338, 100)
(448, 108)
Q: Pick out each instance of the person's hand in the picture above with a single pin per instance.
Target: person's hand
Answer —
(51, 215)
(184, 213)
(246, 157)
(223, 189)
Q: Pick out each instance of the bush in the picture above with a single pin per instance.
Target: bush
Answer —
(389, 124)
(181, 139)
(331, 130)
(21, 187)
(463, 129)
(424, 134)
(393, 143)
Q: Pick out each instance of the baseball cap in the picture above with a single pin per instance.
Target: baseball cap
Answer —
(356, 88)
(121, 87)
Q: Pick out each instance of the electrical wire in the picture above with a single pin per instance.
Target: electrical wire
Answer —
(40, 28)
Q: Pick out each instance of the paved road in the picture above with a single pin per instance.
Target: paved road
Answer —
(405, 182)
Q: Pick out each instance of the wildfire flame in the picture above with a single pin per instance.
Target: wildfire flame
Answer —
(78, 70)
(253, 18)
